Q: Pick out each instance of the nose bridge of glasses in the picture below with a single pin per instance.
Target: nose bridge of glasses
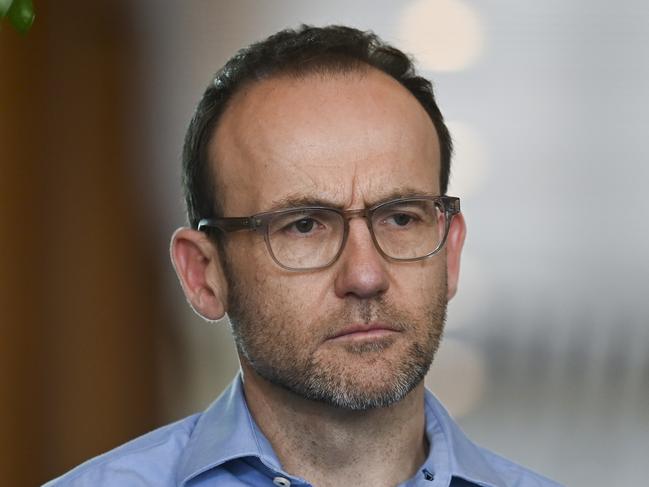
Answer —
(358, 213)
(364, 213)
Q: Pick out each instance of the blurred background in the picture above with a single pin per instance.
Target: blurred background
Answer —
(546, 356)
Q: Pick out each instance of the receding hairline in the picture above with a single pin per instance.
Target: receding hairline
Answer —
(354, 68)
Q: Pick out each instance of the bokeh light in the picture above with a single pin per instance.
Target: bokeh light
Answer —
(443, 35)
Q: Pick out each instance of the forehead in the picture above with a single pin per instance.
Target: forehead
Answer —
(348, 139)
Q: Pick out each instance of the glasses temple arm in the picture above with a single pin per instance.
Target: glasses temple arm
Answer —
(229, 224)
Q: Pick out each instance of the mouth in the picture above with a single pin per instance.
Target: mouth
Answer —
(364, 331)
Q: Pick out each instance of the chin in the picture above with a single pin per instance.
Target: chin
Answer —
(371, 378)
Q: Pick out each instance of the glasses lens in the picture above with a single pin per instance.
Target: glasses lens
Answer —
(304, 239)
(409, 229)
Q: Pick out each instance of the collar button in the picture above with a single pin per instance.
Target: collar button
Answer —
(281, 482)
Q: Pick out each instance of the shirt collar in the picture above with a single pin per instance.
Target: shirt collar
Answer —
(452, 454)
(226, 430)
(223, 432)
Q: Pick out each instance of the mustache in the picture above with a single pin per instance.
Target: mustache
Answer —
(377, 310)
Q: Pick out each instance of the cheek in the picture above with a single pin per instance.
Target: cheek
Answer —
(419, 290)
(247, 256)
(421, 278)
(261, 280)
(285, 314)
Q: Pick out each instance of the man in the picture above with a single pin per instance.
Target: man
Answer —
(315, 170)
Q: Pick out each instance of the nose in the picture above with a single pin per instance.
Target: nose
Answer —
(361, 270)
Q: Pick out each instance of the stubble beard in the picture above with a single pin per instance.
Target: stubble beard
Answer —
(264, 331)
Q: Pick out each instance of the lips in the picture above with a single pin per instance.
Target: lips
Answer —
(365, 330)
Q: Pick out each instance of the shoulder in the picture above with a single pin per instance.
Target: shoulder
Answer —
(515, 475)
(471, 462)
(149, 460)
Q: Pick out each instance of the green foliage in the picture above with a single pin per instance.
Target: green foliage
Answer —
(19, 12)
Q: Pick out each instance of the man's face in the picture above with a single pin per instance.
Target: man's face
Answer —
(348, 140)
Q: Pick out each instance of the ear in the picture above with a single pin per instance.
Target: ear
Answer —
(198, 266)
(454, 244)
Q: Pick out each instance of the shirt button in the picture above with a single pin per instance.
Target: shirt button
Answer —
(282, 482)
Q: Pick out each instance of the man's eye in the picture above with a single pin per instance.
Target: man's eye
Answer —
(300, 224)
(305, 225)
(401, 219)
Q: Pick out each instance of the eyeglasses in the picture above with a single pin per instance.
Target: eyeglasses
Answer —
(313, 237)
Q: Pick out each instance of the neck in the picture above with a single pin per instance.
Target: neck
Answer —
(332, 446)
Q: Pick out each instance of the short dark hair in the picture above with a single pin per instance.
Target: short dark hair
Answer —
(301, 51)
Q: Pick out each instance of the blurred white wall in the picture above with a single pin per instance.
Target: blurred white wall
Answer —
(546, 358)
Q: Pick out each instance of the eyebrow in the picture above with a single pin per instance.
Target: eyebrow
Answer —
(298, 200)
(395, 193)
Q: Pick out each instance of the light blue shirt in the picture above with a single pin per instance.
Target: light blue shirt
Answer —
(223, 447)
